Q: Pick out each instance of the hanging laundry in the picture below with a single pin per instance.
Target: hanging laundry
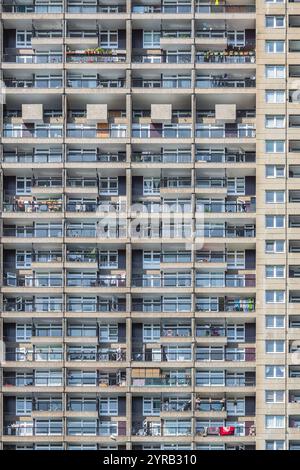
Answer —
(226, 431)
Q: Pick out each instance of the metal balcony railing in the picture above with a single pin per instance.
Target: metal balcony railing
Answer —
(45, 58)
(43, 8)
(84, 58)
(93, 132)
(236, 305)
(236, 356)
(33, 83)
(96, 157)
(221, 157)
(220, 132)
(167, 132)
(31, 232)
(209, 381)
(161, 158)
(21, 205)
(90, 8)
(112, 281)
(27, 281)
(164, 83)
(161, 281)
(209, 7)
(167, 430)
(162, 58)
(46, 132)
(161, 381)
(95, 83)
(170, 9)
(41, 157)
(102, 355)
(235, 281)
(32, 306)
(229, 232)
(236, 57)
(221, 82)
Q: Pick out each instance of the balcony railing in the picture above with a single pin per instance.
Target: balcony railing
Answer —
(83, 58)
(32, 306)
(94, 83)
(102, 355)
(237, 356)
(208, 381)
(90, 8)
(157, 281)
(112, 281)
(167, 430)
(229, 232)
(161, 307)
(33, 206)
(26, 281)
(221, 82)
(11, 157)
(234, 57)
(225, 207)
(222, 157)
(208, 7)
(220, 132)
(162, 58)
(84, 306)
(13, 381)
(96, 157)
(235, 281)
(47, 132)
(179, 8)
(170, 132)
(161, 158)
(32, 8)
(31, 232)
(44, 58)
(93, 132)
(164, 83)
(161, 381)
(236, 305)
(33, 83)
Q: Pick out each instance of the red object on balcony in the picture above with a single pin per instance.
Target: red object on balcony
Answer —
(226, 431)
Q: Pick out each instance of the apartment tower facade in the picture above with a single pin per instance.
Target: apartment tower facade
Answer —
(150, 224)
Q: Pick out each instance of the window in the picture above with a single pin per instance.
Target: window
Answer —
(275, 71)
(151, 259)
(23, 185)
(23, 38)
(275, 445)
(275, 21)
(109, 186)
(275, 422)
(108, 406)
(108, 333)
(275, 121)
(23, 259)
(274, 146)
(108, 259)
(151, 186)
(274, 47)
(275, 271)
(23, 406)
(274, 1)
(274, 396)
(275, 96)
(275, 321)
(275, 171)
(23, 332)
(109, 39)
(235, 407)
(275, 296)
(273, 197)
(274, 346)
(151, 332)
(151, 39)
(274, 372)
(274, 221)
(151, 406)
(275, 246)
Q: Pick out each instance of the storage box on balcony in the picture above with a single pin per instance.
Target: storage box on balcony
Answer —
(96, 113)
(32, 113)
(225, 113)
(161, 113)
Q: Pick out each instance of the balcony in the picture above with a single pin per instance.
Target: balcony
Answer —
(91, 83)
(172, 131)
(170, 157)
(89, 157)
(25, 7)
(161, 83)
(113, 132)
(102, 281)
(43, 58)
(224, 82)
(161, 381)
(38, 132)
(226, 305)
(209, 381)
(176, 8)
(46, 280)
(230, 56)
(230, 280)
(21, 205)
(34, 157)
(84, 57)
(14, 354)
(31, 305)
(34, 83)
(235, 355)
(221, 156)
(103, 354)
(170, 280)
(228, 232)
(97, 306)
(209, 7)
(183, 58)
(151, 429)
(90, 8)
(31, 232)
(223, 132)
(227, 207)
